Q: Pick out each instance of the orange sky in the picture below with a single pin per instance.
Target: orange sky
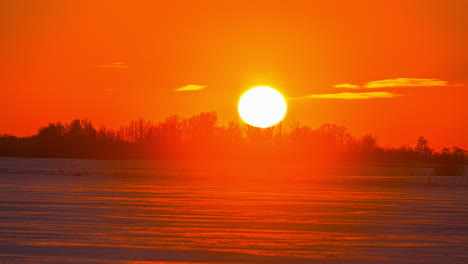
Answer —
(113, 62)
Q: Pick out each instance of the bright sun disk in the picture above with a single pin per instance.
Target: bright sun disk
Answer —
(262, 106)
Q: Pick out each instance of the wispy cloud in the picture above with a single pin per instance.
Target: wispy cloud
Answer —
(114, 65)
(405, 82)
(347, 85)
(190, 87)
(351, 96)
(379, 84)
(396, 82)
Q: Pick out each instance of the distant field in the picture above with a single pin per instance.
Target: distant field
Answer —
(91, 211)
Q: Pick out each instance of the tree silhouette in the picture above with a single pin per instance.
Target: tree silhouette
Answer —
(422, 147)
(202, 137)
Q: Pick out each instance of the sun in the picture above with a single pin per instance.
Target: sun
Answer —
(262, 106)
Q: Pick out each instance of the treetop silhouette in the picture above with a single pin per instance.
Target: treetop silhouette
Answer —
(201, 136)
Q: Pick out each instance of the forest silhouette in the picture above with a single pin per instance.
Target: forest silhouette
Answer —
(201, 136)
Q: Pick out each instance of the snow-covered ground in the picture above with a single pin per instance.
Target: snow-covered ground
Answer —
(85, 211)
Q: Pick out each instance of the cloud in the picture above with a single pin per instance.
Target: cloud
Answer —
(347, 85)
(386, 83)
(350, 96)
(396, 82)
(405, 82)
(190, 87)
(114, 65)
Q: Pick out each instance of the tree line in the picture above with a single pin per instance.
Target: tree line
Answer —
(202, 137)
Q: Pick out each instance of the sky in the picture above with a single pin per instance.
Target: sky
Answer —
(397, 69)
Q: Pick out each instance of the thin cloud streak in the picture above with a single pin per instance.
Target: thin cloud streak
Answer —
(396, 82)
(353, 96)
(347, 86)
(114, 65)
(405, 82)
(190, 87)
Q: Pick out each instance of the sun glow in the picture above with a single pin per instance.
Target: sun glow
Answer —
(262, 106)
